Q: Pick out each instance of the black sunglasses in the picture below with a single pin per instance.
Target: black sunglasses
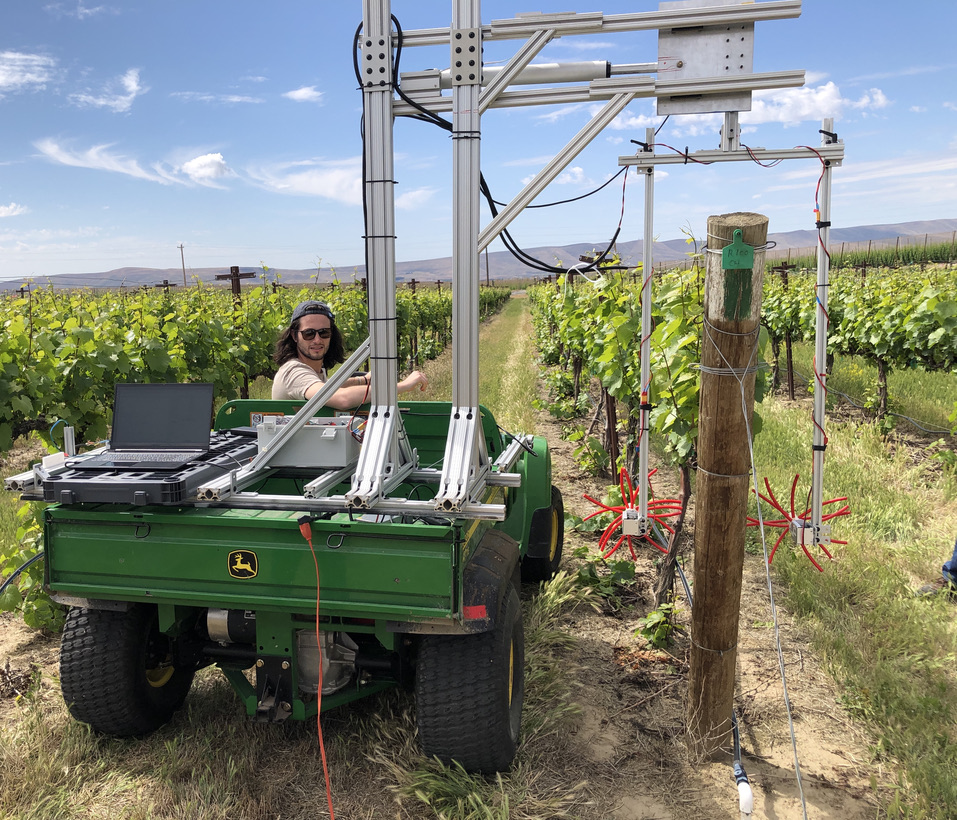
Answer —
(310, 333)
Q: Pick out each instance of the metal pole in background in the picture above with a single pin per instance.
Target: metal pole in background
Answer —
(646, 275)
(820, 532)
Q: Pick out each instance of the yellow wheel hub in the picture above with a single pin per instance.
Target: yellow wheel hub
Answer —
(553, 546)
(159, 676)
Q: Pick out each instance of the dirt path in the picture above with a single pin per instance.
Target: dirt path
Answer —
(633, 701)
(626, 747)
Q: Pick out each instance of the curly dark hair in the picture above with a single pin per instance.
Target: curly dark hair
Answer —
(287, 349)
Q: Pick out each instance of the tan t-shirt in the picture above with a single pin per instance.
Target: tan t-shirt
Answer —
(293, 379)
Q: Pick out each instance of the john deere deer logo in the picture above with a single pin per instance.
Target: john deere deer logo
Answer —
(243, 564)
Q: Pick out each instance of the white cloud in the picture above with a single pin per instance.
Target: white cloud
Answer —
(19, 71)
(79, 11)
(411, 200)
(207, 169)
(307, 93)
(560, 113)
(118, 94)
(536, 161)
(951, 106)
(227, 99)
(793, 105)
(923, 173)
(13, 209)
(897, 73)
(100, 158)
(339, 180)
(788, 107)
(573, 176)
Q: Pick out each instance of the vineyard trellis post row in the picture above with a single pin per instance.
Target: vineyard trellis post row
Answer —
(730, 327)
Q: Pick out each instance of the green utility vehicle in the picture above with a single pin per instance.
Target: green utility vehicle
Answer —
(304, 606)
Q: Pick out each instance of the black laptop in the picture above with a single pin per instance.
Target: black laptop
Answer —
(155, 427)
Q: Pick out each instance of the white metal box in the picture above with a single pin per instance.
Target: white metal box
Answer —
(324, 443)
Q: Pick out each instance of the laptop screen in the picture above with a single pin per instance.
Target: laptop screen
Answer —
(162, 416)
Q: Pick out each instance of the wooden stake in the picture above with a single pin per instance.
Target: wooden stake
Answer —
(732, 312)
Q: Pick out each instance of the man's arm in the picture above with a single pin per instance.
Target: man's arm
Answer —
(352, 395)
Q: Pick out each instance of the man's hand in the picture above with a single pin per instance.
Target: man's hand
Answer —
(415, 379)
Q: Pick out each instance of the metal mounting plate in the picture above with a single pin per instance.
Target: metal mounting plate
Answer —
(466, 56)
(704, 52)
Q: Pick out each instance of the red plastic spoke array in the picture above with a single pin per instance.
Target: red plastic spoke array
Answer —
(658, 509)
(791, 515)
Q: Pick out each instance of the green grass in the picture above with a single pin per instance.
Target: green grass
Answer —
(893, 654)
(212, 763)
(508, 369)
(926, 397)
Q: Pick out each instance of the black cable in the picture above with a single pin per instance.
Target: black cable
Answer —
(522, 256)
(430, 116)
(574, 198)
(523, 444)
(16, 573)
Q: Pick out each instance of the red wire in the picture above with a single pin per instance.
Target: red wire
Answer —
(355, 434)
(306, 531)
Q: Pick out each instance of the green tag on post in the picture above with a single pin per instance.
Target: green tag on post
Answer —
(737, 263)
(738, 255)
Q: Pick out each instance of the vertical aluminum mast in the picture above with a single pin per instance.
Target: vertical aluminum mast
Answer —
(385, 458)
(821, 532)
(466, 461)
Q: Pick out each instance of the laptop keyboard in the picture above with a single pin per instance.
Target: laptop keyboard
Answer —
(148, 455)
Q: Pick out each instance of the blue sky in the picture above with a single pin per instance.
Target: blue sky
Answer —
(233, 128)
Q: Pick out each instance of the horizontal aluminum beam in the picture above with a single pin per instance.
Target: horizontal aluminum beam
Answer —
(605, 89)
(524, 25)
(833, 154)
(337, 503)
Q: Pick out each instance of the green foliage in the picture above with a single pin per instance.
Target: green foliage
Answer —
(562, 403)
(589, 453)
(897, 319)
(607, 581)
(897, 256)
(599, 324)
(26, 595)
(658, 626)
(79, 344)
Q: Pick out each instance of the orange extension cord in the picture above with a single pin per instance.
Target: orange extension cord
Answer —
(306, 530)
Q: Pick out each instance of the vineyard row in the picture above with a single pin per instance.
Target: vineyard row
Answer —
(898, 319)
(61, 353)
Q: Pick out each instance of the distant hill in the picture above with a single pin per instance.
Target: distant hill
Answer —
(501, 264)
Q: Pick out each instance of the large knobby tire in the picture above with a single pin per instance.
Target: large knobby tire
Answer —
(469, 691)
(116, 671)
(537, 569)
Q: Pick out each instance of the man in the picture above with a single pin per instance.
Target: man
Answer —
(311, 344)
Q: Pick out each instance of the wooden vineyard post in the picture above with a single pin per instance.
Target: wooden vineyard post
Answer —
(734, 282)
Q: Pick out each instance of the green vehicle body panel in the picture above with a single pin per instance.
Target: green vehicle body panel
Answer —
(388, 572)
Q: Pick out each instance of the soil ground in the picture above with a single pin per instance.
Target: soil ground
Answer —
(632, 729)
(627, 745)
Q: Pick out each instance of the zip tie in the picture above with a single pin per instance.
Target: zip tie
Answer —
(719, 652)
(765, 247)
(723, 475)
(710, 326)
(737, 372)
